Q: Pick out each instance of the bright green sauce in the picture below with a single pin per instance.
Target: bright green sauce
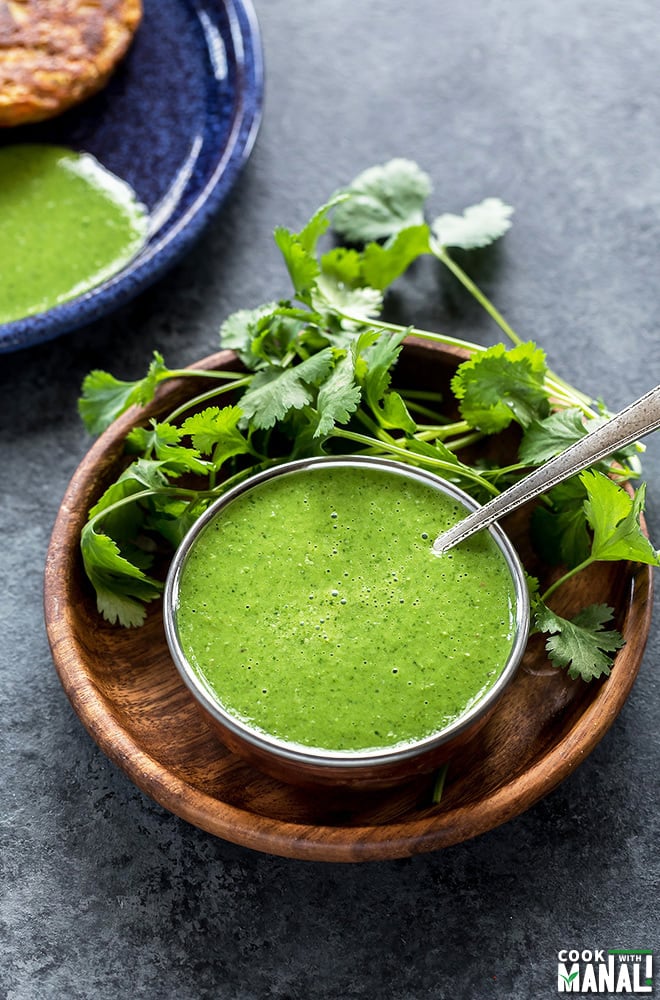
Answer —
(66, 224)
(316, 611)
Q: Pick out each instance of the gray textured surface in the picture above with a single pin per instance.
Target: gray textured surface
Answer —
(555, 107)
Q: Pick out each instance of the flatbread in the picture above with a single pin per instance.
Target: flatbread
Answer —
(56, 53)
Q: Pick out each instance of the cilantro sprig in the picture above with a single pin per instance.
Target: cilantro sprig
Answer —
(320, 378)
(582, 645)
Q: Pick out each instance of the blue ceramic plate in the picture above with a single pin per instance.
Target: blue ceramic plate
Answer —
(177, 122)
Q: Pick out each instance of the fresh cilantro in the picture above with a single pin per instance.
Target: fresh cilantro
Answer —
(240, 329)
(215, 432)
(545, 438)
(614, 517)
(548, 437)
(302, 265)
(381, 201)
(172, 518)
(393, 413)
(338, 397)
(105, 397)
(381, 265)
(581, 646)
(434, 451)
(162, 440)
(142, 474)
(322, 376)
(559, 526)
(375, 375)
(274, 391)
(498, 386)
(478, 226)
(299, 249)
(379, 359)
(278, 335)
(122, 588)
(344, 265)
(378, 265)
(330, 297)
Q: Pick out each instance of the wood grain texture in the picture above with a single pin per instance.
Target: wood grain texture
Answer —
(127, 692)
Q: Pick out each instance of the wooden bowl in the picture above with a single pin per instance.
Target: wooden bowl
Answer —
(123, 685)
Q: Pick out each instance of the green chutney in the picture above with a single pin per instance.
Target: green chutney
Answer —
(66, 225)
(314, 609)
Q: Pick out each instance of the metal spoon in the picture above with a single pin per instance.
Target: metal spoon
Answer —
(638, 419)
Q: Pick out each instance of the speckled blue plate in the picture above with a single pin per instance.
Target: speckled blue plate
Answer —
(177, 121)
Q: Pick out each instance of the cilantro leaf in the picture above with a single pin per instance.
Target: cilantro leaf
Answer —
(560, 531)
(534, 590)
(548, 437)
(383, 264)
(148, 473)
(330, 297)
(581, 645)
(478, 226)
(497, 386)
(374, 372)
(142, 474)
(344, 264)
(302, 265)
(393, 413)
(380, 358)
(338, 397)
(277, 334)
(172, 517)
(104, 397)
(215, 430)
(121, 587)
(299, 249)
(313, 230)
(275, 391)
(241, 327)
(434, 450)
(614, 517)
(381, 201)
(162, 440)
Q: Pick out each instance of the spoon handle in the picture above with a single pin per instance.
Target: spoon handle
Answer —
(632, 423)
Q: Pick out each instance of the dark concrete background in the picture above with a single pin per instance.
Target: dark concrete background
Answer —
(554, 106)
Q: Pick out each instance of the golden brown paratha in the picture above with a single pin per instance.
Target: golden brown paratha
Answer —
(55, 53)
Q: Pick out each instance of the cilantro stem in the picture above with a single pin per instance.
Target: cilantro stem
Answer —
(431, 432)
(554, 385)
(412, 331)
(423, 411)
(287, 359)
(379, 432)
(416, 398)
(562, 579)
(557, 385)
(465, 441)
(483, 300)
(237, 477)
(428, 394)
(203, 397)
(217, 373)
(173, 491)
(505, 470)
(437, 463)
(439, 784)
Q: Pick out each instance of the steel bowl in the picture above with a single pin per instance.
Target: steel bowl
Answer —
(309, 766)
